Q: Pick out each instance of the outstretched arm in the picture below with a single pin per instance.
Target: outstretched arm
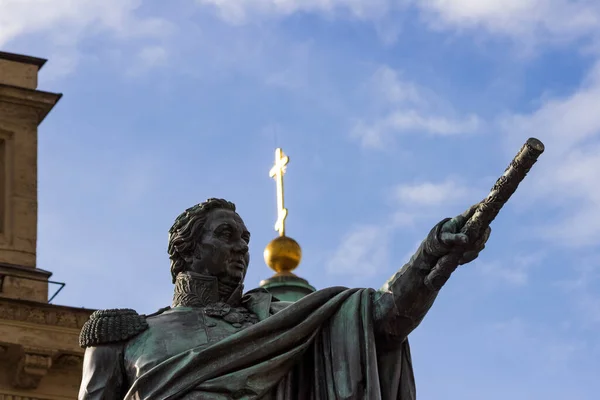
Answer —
(403, 301)
(103, 374)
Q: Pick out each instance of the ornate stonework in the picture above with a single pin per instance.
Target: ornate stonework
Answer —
(55, 329)
(33, 365)
(10, 396)
(40, 313)
(69, 361)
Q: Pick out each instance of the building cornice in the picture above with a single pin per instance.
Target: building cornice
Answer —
(42, 102)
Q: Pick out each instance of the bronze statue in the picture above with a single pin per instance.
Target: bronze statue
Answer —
(217, 343)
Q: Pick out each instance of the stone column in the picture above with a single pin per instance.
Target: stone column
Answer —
(22, 109)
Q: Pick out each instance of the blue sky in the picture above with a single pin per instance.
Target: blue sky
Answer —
(395, 114)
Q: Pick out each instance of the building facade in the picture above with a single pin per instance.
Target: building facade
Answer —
(40, 358)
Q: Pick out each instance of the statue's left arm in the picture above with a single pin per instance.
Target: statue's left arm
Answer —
(404, 300)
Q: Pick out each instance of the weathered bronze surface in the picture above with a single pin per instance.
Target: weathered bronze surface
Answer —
(216, 343)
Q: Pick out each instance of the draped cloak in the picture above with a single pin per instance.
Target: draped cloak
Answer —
(322, 347)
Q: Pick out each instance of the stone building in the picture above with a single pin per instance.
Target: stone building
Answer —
(39, 353)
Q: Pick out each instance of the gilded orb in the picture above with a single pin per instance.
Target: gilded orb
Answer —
(283, 254)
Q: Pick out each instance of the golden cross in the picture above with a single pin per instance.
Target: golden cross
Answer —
(276, 173)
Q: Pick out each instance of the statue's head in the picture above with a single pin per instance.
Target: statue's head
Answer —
(210, 239)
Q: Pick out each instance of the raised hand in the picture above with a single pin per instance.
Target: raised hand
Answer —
(469, 247)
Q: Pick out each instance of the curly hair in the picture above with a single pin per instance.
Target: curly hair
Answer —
(186, 228)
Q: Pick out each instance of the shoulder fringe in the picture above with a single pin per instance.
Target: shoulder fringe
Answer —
(111, 326)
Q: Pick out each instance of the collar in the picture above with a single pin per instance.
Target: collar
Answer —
(196, 290)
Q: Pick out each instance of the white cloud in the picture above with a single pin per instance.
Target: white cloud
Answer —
(527, 20)
(378, 12)
(67, 19)
(147, 58)
(377, 134)
(410, 108)
(153, 55)
(362, 252)
(63, 62)
(366, 249)
(571, 18)
(567, 121)
(567, 174)
(64, 23)
(390, 85)
(507, 274)
(432, 194)
(239, 11)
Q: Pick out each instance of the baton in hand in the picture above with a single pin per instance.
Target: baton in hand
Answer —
(488, 209)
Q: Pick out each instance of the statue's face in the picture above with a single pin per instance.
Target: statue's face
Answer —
(222, 249)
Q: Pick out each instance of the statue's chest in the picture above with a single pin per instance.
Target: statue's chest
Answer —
(178, 330)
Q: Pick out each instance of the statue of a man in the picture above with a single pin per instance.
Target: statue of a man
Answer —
(217, 343)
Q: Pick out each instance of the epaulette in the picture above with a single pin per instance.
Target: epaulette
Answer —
(111, 326)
